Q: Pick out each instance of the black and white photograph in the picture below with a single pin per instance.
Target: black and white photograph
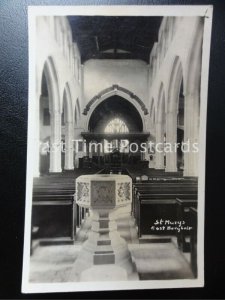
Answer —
(115, 183)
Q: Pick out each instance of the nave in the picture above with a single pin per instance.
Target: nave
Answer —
(115, 154)
(60, 227)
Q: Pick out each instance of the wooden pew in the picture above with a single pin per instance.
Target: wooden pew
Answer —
(165, 190)
(54, 210)
(183, 214)
(165, 186)
(46, 202)
(149, 211)
(141, 198)
(150, 186)
(159, 188)
(193, 240)
(54, 215)
(153, 201)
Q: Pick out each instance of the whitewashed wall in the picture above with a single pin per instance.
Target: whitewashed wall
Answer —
(102, 74)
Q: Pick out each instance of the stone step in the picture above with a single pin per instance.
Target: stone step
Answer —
(56, 241)
(104, 242)
(104, 257)
(103, 248)
(154, 239)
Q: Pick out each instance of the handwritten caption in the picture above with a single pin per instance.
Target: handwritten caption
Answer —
(169, 225)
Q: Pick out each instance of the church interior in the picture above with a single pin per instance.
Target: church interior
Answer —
(106, 88)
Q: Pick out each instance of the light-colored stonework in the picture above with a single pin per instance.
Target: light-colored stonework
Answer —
(105, 195)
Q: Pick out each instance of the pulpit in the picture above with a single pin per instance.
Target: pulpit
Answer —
(104, 254)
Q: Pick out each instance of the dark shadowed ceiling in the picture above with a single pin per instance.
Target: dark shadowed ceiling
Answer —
(114, 37)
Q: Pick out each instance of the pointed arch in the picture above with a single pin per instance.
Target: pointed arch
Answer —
(51, 75)
(194, 60)
(52, 82)
(176, 78)
(67, 103)
(116, 89)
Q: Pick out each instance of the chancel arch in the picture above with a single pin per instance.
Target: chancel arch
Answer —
(119, 91)
(115, 107)
(117, 121)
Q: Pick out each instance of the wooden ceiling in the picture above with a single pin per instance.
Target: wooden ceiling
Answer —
(103, 37)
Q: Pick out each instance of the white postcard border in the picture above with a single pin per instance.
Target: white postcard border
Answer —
(115, 10)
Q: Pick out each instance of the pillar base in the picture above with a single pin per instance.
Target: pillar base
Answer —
(189, 174)
(68, 168)
(55, 171)
(171, 170)
(159, 167)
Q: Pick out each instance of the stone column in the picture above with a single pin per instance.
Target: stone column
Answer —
(78, 152)
(69, 165)
(99, 152)
(87, 148)
(154, 71)
(171, 138)
(55, 142)
(159, 155)
(191, 133)
(146, 155)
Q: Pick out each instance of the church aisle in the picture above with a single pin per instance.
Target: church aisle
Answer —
(161, 260)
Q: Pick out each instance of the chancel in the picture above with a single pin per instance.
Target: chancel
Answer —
(115, 151)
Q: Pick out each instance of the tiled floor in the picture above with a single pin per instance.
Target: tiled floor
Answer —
(154, 260)
(160, 261)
